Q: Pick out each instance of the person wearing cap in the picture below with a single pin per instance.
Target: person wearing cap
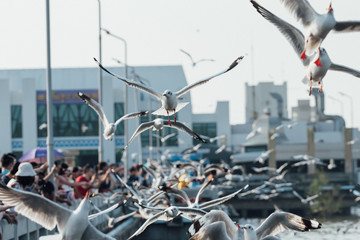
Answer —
(24, 177)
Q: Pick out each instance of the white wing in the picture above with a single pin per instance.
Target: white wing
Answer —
(291, 33)
(130, 83)
(104, 211)
(35, 207)
(189, 87)
(131, 115)
(96, 106)
(143, 127)
(302, 10)
(280, 221)
(147, 223)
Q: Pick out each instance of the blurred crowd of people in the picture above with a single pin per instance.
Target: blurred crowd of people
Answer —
(61, 183)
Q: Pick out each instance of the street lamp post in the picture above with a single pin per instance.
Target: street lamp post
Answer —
(351, 107)
(126, 163)
(100, 150)
(49, 106)
(340, 102)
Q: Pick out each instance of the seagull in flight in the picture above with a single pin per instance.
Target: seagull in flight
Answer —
(318, 64)
(192, 60)
(169, 99)
(317, 25)
(109, 128)
(158, 123)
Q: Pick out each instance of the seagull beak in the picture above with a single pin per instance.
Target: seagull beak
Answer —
(244, 228)
(330, 7)
(164, 94)
(87, 195)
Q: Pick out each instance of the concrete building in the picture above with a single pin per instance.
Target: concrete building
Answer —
(23, 107)
(265, 95)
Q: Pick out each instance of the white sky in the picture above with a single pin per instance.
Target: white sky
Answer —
(155, 31)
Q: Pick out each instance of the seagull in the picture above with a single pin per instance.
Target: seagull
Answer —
(317, 25)
(253, 133)
(331, 164)
(278, 222)
(270, 169)
(158, 124)
(170, 213)
(263, 156)
(316, 71)
(351, 142)
(307, 160)
(70, 224)
(109, 128)
(193, 149)
(43, 126)
(192, 60)
(163, 139)
(308, 200)
(169, 100)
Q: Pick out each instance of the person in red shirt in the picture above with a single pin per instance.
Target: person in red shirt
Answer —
(88, 176)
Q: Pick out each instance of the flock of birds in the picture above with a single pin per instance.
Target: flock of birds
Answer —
(155, 202)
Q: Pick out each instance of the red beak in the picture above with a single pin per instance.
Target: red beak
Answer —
(87, 195)
(244, 228)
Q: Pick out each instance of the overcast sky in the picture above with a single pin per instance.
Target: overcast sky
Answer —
(155, 31)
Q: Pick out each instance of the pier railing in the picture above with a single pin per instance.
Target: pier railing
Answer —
(29, 230)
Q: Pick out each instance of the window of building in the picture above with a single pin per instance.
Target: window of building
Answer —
(16, 121)
(206, 129)
(119, 112)
(69, 120)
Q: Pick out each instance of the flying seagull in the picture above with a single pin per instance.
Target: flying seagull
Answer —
(192, 60)
(158, 124)
(109, 128)
(317, 25)
(316, 71)
(169, 100)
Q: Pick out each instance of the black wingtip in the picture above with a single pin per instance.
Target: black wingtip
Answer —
(235, 63)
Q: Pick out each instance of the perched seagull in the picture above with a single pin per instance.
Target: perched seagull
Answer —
(317, 25)
(158, 124)
(70, 224)
(192, 60)
(109, 128)
(169, 100)
(308, 200)
(263, 156)
(315, 72)
(278, 222)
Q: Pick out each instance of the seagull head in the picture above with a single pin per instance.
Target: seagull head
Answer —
(249, 232)
(167, 93)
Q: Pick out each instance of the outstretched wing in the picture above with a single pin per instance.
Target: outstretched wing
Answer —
(189, 87)
(96, 106)
(302, 10)
(140, 129)
(184, 128)
(35, 207)
(130, 115)
(130, 83)
(336, 67)
(349, 26)
(280, 221)
(291, 33)
(187, 54)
